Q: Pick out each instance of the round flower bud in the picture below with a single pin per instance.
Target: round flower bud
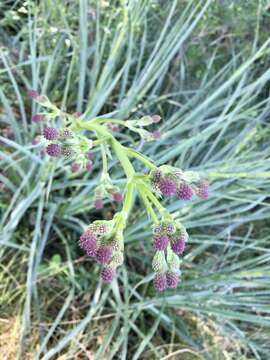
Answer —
(104, 254)
(50, 133)
(37, 118)
(156, 119)
(178, 246)
(161, 242)
(35, 141)
(32, 93)
(117, 197)
(53, 150)
(203, 190)
(98, 204)
(172, 279)
(88, 242)
(167, 187)
(75, 167)
(184, 192)
(160, 282)
(108, 274)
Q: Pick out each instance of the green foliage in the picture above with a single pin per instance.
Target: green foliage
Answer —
(204, 67)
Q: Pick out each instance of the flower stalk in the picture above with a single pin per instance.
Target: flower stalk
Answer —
(103, 240)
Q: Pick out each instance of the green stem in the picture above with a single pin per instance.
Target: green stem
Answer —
(104, 159)
(154, 200)
(141, 157)
(148, 207)
(116, 146)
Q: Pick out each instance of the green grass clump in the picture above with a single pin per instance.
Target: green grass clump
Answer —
(211, 88)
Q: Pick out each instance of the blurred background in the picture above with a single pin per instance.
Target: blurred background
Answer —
(203, 65)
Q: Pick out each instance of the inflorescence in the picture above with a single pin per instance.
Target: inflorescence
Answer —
(103, 240)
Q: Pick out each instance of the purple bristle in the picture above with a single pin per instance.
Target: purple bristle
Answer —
(53, 150)
(167, 187)
(104, 254)
(184, 192)
(161, 242)
(50, 133)
(108, 274)
(160, 282)
(172, 279)
(178, 246)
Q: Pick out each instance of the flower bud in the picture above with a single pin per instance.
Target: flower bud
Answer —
(160, 282)
(53, 150)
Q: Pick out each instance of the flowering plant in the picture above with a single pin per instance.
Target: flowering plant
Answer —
(103, 240)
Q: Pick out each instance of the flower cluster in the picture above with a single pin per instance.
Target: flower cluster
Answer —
(170, 181)
(169, 242)
(63, 142)
(102, 242)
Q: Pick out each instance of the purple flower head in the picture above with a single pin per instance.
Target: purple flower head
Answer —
(32, 93)
(104, 254)
(117, 197)
(77, 114)
(88, 242)
(184, 192)
(108, 274)
(156, 119)
(50, 133)
(35, 141)
(37, 118)
(203, 190)
(89, 165)
(160, 282)
(98, 204)
(161, 242)
(75, 167)
(167, 186)
(53, 150)
(179, 245)
(172, 279)
(156, 135)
